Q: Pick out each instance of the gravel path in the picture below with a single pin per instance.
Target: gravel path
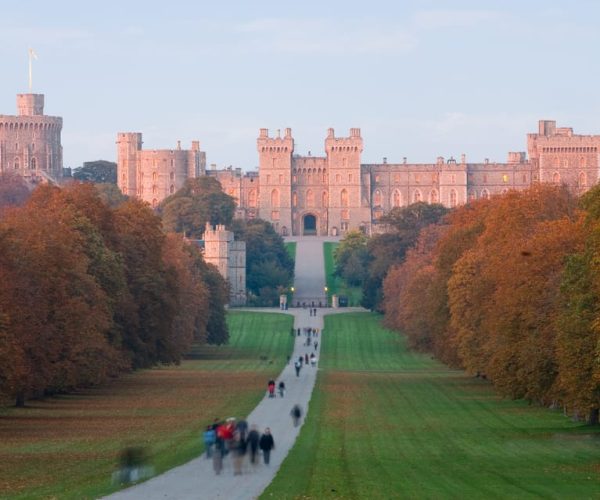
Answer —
(196, 479)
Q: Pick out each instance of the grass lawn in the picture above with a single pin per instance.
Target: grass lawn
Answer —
(290, 246)
(387, 423)
(335, 284)
(67, 446)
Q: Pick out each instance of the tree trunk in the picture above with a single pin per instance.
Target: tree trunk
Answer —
(593, 416)
(20, 399)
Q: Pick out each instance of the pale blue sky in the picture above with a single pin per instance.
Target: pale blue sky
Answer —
(420, 78)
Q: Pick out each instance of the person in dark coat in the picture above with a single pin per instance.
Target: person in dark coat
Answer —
(252, 440)
(266, 444)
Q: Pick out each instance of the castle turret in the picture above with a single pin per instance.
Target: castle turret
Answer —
(30, 104)
(128, 146)
(275, 170)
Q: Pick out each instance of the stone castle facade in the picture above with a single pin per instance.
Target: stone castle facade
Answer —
(229, 256)
(30, 143)
(154, 174)
(334, 193)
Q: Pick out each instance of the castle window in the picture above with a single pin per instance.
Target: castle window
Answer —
(344, 198)
(417, 196)
(17, 164)
(172, 163)
(433, 196)
(350, 178)
(472, 195)
(294, 179)
(505, 178)
(344, 226)
(275, 215)
(377, 198)
(172, 176)
(172, 189)
(154, 176)
(252, 198)
(566, 162)
(294, 199)
(453, 200)
(324, 199)
(338, 178)
(275, 198)
(33, 146)
(280, 178)
(310, 199)
(309, 179)
(345, 214)
(396, 199)
(556, 178)
(582, 162)
(33, 164)
(417, 178)
(485, 194)
(582, 179)
(268, 179)
(343, 162)
(154, 189)
(377, 178)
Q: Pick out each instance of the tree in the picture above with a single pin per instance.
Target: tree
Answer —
(199, 201)
(404, 225)
(351, 258)
(13, 190)
(98, 171)
(269, 266)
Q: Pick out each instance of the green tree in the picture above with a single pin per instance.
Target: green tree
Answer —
(98, 171)
(199, 201)
(351, 258)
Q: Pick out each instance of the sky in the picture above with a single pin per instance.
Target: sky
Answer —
(421, 79)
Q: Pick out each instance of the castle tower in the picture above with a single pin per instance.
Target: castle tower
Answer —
(275, 173)
(30, 143)
(344, 179)
(128, 146)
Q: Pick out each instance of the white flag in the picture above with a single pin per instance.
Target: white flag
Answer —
(32, 53)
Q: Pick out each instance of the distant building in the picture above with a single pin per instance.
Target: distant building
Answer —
(229, 256)
(154, 174)
(30, 143)
(332, 194)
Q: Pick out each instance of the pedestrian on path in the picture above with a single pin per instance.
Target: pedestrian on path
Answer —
(316, 345)
(271, 388)
(297, 366)
(267, 443)
(210, 436)
(296, 414)
(281, 389)
(253, 438)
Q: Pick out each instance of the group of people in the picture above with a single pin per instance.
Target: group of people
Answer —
(233, 438)
(304, 360)
(271, 388)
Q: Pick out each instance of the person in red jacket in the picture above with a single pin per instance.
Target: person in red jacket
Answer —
(271, 387)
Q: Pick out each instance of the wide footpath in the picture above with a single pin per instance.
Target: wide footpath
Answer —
(196, 479)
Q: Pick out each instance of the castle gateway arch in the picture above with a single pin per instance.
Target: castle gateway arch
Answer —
(309, 225)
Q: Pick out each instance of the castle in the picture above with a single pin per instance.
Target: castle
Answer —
(331, 194)
(229, 256)
(30, 143)
(152, 175)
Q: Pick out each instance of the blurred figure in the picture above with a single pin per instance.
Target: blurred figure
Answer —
(238, 448)
(210, 437)
(296, 414)
(297, 366)
(266, 444)
(271, 388)
(281, 388)
(253, 438)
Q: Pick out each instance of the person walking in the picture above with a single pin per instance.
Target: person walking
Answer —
(266, 444)
(297, 366)
(271, 388)
(296, 414)
(238, 448)
(253, 438)
(281, 389)
(210, 437)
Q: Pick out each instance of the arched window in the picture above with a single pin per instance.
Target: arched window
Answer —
(275, 198)
(344, 198)
(154, 189)
(453, 198)
(309, 178)
(252, 198)
(582, 179)
(33, 164)
(172, 176)
(294, 199)
(172, 189)
(472, 195)
(324, 199)
(396, 199)
(433, 196)
(154, 176)
(17, 164)
(417, 196)
(556, 178)
(377, 198)
(485, 194)
(310, 199)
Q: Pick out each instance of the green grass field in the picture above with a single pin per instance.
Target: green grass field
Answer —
(335, 284)
(387, 423)
(67, 447)
(290, 246)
